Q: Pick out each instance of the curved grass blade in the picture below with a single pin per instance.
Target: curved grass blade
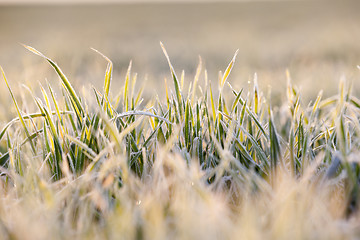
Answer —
(108, 73)
(78, 107)
(176, 81)
(140, 113)
(5, 157)
(28, 116)
(86, 149)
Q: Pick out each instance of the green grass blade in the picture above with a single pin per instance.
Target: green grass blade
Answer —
(78, 107)
(187, 126)
(275, 152)
(176, 81)
(252, 115)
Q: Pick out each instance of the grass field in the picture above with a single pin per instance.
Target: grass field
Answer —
(198, 154)
(316, 40)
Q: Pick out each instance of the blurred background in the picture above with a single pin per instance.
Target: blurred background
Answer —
(318, 41)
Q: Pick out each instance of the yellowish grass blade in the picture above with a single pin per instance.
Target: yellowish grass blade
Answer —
(46, 98)
(182, 80)
(167, 93)
(133, 83)
(256, 95)
(228, 70)
(108, 73)
(78, 107)
(21, 118)
(126, 90)
(196, 79)
(212, 102)
(176, 81)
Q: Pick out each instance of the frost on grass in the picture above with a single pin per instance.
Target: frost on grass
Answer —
(219, 165)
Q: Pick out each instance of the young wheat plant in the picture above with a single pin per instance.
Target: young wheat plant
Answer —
(189, 166)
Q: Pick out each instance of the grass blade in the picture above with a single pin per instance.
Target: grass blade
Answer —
(176, 81)
(78, 107)
(21, 118)
(228, 70)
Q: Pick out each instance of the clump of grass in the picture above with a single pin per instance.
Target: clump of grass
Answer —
(188, 166)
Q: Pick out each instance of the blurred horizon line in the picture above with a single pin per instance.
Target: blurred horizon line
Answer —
(96, 2)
